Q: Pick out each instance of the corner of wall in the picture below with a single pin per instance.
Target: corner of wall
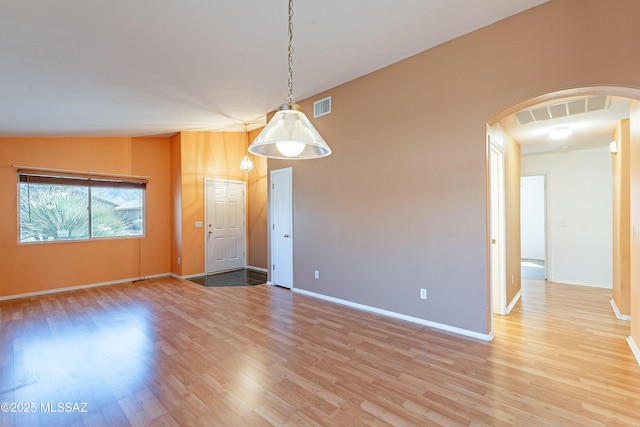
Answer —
(176, 203)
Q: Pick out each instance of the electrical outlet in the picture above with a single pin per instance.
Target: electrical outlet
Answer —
(423, 293)
(178, 260)
(316, 274)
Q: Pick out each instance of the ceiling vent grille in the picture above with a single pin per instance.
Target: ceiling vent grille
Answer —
(563, 109)
(322, 107)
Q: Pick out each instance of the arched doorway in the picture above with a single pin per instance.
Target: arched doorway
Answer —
(509, 265)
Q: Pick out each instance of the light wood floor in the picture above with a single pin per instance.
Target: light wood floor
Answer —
(170, 352)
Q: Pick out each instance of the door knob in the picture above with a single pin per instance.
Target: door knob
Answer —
(210, 232)
(493, 241)
(286, 236)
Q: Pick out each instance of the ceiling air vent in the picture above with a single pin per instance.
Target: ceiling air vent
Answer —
(322, 107)
(563, 109)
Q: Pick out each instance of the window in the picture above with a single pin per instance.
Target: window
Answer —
(62, 208)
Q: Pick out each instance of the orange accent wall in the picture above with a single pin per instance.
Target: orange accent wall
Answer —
(213, 155)
(176, 166)
(41, 267)
(621, 230)
(176, 204)
(257, 212)
(634, 137)
(512, 226)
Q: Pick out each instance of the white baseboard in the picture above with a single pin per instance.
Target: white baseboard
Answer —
(617, 312)
(188, 276)
(250, 267)
(590, 285)
(75, 288)
(634, 349)
(441, 326)
(514, 301)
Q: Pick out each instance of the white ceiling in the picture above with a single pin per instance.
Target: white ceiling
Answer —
(147, 67)
(590, 129)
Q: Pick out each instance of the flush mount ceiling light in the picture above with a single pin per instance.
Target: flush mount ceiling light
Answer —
(289, 134)
(561, 133)
(246, 165)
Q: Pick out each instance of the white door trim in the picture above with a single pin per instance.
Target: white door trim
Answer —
(206, 217)
(272, 219)
(498, 266)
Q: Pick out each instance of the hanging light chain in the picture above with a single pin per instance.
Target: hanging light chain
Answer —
(290, 53)
(289, 134)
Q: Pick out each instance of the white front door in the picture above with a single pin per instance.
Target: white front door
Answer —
(281, 228)
(225, 225)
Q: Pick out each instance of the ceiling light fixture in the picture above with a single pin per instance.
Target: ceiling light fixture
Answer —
(246, 165)
(289, 134)
(561, 133)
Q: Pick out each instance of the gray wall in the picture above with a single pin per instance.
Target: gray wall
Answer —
(402, 202)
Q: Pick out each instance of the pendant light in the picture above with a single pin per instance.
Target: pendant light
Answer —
(289, 134)
(246, 165)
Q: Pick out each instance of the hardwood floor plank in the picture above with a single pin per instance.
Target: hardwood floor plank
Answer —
(170, 352)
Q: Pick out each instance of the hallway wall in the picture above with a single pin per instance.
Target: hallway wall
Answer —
(532, 214)
(580, 220)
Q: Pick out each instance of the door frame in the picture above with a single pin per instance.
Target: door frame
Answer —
(547, 231)
(207, 181)
(289, 171)
(497, 266)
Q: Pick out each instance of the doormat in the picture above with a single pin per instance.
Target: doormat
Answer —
(245, 277)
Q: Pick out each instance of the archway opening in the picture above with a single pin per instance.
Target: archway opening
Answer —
(524, 129)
